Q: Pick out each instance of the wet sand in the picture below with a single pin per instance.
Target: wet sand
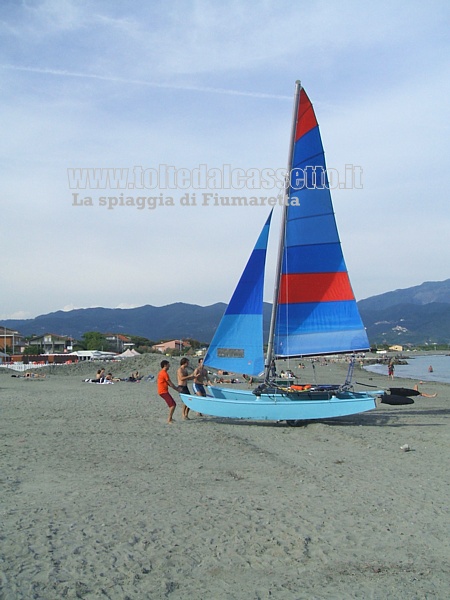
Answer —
(101, 499)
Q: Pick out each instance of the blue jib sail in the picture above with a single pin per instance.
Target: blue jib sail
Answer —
(317, 312)
(237, 345)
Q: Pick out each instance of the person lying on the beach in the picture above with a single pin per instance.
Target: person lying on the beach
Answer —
(416, 387)
(101, 378)
(30, 376)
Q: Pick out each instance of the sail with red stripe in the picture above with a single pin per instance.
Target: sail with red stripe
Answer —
(316, 312)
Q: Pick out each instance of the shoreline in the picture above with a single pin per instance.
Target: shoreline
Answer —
(406, 366)
(103, 500)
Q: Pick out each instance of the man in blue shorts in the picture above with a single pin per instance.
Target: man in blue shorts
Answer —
(200, 378)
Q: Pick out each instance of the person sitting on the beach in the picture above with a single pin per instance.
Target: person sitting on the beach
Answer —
(416, 387)
(98, 376)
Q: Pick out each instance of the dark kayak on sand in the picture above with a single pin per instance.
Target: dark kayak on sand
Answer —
(395, 399)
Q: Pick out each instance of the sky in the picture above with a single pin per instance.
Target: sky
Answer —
(163, 91)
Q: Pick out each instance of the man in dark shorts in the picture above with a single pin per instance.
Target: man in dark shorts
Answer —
(164, 382)
(182, 379)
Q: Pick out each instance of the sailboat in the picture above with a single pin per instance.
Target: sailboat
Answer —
(314, 309)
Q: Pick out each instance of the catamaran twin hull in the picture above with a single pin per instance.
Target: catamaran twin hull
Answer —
(276, 406)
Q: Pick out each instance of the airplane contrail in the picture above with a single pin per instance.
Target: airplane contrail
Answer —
(154, 84)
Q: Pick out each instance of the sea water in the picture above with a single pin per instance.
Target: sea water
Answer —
(418, 368)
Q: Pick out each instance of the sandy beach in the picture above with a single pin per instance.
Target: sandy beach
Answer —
(102, 499)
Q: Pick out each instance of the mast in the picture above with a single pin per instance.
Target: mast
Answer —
(287, 190)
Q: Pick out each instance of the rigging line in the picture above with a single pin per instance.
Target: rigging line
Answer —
(287, 283)
(314, 371)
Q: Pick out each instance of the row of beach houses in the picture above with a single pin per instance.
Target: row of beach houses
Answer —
(13, 343)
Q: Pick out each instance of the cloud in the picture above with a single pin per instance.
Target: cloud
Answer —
(69, 307)
(19, 314)
(154, 84)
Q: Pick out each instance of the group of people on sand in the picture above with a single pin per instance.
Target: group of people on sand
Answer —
(102, 377)
(199, 378)
(391, 369)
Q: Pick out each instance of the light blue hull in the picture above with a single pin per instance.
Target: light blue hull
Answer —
(243, 404)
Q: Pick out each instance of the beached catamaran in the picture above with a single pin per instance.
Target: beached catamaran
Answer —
(314, 309)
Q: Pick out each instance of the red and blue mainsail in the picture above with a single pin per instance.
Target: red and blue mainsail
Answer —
(237, 345)
(315, 308)
(316, 312)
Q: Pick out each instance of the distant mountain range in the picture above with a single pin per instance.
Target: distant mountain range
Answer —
(173, 321)
(414, 315)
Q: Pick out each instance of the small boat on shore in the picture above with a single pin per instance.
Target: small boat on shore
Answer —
(314, 308)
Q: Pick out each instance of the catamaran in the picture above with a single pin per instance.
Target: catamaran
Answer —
(314, 309)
